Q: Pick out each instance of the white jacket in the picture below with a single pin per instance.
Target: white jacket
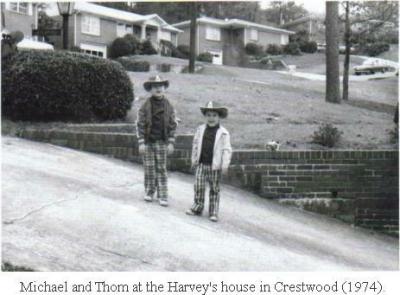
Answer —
(222, 148)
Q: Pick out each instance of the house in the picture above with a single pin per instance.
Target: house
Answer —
(23, 17)
(93, 28)
(225, 39)
(313, 26)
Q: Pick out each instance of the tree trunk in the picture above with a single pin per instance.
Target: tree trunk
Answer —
(346, 65)
(193, 31)
(332, 52)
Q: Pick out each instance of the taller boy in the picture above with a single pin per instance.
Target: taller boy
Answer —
(156, 125)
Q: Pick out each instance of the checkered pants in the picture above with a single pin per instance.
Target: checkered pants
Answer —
(155, 169)
(205, 173)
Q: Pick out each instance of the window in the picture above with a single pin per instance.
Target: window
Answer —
(20, 7)
(94, 50)
(253, 34)
(165, 35)
(90, 25)
(123, 29)
(213, 33)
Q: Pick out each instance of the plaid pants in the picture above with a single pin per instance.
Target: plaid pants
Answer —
(155, 169)
(205, 173)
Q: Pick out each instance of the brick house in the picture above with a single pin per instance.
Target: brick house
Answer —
(312, 25)
(226, 39)
(93, 28)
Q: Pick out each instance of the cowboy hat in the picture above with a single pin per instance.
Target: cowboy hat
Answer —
(156, 80)
(215, 107)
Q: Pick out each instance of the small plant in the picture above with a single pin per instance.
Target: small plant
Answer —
(254, 49)
(205, 57)
(327, 135)
(308, 46)
(5, 266)
(292, 48)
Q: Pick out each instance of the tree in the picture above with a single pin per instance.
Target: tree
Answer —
(346, 66)
(281, 12)
(193, 29)
(332, 52)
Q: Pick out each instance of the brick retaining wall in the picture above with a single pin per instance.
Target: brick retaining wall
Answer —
(359, 187)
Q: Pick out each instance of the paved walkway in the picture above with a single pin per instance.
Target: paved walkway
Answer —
(64, 210)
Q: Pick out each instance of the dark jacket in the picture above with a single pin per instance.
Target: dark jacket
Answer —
(144, 120)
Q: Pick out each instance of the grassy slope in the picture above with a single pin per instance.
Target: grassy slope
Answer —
(282, 108)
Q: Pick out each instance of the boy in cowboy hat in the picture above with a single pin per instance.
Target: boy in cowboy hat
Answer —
(211, 156)
(156, 125)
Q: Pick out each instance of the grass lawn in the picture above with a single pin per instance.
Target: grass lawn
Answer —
(265, 105)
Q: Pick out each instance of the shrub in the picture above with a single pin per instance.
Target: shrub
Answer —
(148, 48)
(164, 68)
(274, 49)
(308, 46)
(120, 47)
(134, 43)
(184, 50)
(75, 49)
(134, 65)
(253, 49)
(327, 135)
(64, 86)
(169, 49)
(374, 49)
(205, 56)
(292, 48)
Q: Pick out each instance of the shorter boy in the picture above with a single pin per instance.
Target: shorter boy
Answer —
(211, 156)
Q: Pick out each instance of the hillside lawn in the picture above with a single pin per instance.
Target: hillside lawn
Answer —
(266, 105)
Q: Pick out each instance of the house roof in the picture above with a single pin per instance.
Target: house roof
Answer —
(234, 22)
(121, 15)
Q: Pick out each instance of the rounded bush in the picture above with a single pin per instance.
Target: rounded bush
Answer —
(253, 49)
(274, 49)
(64, 86)
(205, 57)
(375, 49)
(308, 46)
(134, 43)
(120, 47)
(148, 48)
(134, 65)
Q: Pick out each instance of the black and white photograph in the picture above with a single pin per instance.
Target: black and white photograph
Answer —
(218, 136)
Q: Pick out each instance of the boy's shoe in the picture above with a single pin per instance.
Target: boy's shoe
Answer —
(193, 213)
(148, 198)
(214, 218)
(163, 202)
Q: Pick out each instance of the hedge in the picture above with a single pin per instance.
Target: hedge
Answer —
(375, 49)
(184, 50)
(292, 48)
(64, 86)
(148, 48)
(308, 46)
(274, 49)
(134, 65)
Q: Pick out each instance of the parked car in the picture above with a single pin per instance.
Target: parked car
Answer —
(372, 66)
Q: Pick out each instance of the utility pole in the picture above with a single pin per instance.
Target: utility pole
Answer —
(193, 33)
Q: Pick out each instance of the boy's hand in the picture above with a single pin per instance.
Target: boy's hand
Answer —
(170, 149)
(142, 149)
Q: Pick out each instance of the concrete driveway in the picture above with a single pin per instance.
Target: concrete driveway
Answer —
(65, 210)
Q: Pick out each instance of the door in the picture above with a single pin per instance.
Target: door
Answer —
(217, 57)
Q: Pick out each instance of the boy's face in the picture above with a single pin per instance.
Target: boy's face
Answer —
(157, 90)
(212, 118)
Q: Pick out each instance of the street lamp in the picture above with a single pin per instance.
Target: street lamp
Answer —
(65, 9)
